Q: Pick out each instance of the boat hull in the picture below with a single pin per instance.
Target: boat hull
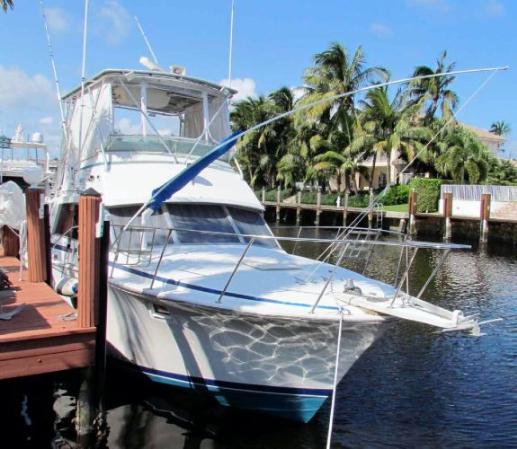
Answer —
(280, 366)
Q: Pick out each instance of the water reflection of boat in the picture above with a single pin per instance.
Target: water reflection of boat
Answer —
(201, 294)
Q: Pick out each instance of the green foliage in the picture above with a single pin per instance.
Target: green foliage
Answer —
(502, 173)
(359, 200)
(428, 193)
(327, 143)
(396, 195)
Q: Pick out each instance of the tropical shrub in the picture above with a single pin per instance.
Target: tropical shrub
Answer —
(396, 195)
(428, 193)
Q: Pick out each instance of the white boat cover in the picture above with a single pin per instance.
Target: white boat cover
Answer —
(12, 205)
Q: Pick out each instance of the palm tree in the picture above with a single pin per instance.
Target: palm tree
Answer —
(431, 93)
(500, 128)
(387, 127)
(255, 151)
(463, 157)
(6, 4)
(336, 72)
(259, 152)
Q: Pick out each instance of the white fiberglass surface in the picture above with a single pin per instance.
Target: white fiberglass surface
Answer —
(268, 280)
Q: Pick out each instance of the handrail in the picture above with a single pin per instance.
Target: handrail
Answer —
(343, 244)
(407, 243)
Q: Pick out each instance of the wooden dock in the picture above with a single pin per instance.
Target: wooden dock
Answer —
(48, 335)
(44, 336)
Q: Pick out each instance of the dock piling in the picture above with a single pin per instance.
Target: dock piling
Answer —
(278, 204)
(36, 241)
(484, 215)
(345, 209)
(412, 207)
(447, 213)
(89, 257)
(298, 208)
(318, 207)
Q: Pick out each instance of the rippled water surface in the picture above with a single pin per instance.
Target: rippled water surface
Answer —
(413, 389)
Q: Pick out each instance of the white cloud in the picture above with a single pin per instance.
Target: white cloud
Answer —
(494, 8)
(114, 22)
(18, 89)
(57, 19)
(126, 126)
(48, 120)
(381, 30)
(245, 87)
(439, 5)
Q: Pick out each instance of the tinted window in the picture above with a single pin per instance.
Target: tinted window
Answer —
(200, 217)
(251, 223)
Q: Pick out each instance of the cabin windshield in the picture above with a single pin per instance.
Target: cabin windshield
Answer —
(198, 223)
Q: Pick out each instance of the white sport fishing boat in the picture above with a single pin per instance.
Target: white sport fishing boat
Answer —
(201, 294)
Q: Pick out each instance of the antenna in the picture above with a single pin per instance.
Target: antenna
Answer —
(230, 49)
(147, 43)
(54, 71)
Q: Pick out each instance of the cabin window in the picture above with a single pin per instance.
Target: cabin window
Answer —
(200, 217)
(67, 220)
(120, 216)
(251, 223)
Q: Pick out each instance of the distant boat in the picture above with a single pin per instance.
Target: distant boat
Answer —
(25, 162)
(201, 294)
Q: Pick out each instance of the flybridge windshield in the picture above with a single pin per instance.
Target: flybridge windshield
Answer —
(155, 144)
(199, 223)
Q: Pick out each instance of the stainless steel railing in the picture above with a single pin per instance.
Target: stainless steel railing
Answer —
(139, 245)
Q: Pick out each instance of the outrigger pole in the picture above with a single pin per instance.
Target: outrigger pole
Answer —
(54, 71)
(233, 138)
(147, 43)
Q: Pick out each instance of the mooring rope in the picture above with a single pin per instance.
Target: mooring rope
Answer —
(336, 380)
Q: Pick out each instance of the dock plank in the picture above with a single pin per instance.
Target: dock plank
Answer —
(41, 338)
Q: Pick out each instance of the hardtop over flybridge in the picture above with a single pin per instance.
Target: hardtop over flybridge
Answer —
(202, 295)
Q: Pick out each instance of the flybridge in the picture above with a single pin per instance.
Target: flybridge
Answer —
(196, 113)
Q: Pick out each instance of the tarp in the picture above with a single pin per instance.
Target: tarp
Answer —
(12, 205)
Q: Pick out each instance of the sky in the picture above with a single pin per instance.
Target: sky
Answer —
(274, 42)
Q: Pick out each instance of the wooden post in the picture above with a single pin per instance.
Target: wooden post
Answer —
(345, 209)
(48, 255)
(412, 212)
(278, 204)
(89, 259)
(370, 210)
(298, 208)
(10, 242)
(36, 248)
(318, 207)
(484, 216)
(100, 340)
(263, 194)
(447, 213)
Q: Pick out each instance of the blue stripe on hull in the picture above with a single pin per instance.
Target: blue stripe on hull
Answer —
(290, 403)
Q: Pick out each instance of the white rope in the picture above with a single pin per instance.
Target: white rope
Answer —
(336, 380)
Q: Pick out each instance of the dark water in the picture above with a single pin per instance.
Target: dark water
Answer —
(413, 389)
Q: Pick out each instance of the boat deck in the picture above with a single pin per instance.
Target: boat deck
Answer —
(44, 336)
